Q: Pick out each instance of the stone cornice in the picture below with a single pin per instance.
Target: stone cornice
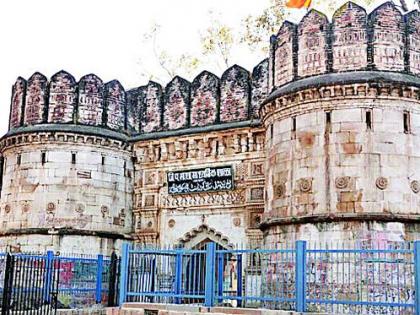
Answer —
(48, 137)
(334, 217)
(64, 231)
(334, 86)
(105, 137)
(195, 130)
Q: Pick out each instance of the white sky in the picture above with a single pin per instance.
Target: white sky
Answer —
(105, 37)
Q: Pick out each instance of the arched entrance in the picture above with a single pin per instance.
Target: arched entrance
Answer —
(194, 264)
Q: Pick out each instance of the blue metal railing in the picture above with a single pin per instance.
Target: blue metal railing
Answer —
(82, 281)
(356, 279)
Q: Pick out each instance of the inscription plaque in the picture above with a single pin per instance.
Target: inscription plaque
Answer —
(200, 180)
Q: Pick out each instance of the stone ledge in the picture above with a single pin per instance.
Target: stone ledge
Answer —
(80, 129)
(352, 77)
(333, 217)
(171, 309)
(64, 231)
(193, 130)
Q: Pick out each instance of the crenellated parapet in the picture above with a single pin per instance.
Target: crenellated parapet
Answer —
(207, 100)
(384, 40)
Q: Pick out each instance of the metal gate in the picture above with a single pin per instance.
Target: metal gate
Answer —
(30, 284)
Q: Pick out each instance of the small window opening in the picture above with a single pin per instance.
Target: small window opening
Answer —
(271, 131)
(19, 159)
(73, 158)
(369, 119)
(293, 128)
(407, 126)
(43, 158)
(103, 160)
(328, 121)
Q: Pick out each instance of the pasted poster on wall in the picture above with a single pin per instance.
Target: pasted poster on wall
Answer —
(200, 180)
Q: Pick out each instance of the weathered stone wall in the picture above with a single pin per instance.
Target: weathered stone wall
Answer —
(36, 99)
(333, 152)
(17, 103)
(62, 98)
(349, 26)
(413, 41)
(343, 152)
(115, 100)
(206, 101)
(63, 183)
(383, 40)
(227, 217)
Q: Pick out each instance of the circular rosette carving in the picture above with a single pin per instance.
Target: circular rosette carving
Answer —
(382, 183)
(280, 190)
(50, 207)
(342, 182)
(415, 186)
(171, 223)
(305, 185)
(26, 207)
(237, 222)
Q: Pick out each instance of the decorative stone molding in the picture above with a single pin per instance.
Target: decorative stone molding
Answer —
(201, 146)
(280, 191)
(295, 101)
(171, 223)
(26, 207)
(257, 193)
(381, 183)
(192, 238)
(61, 137)
(236, 222)
(342, 182)
(305, 185)
(204, 199)
(50, 207)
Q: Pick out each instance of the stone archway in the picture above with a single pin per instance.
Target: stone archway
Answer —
(194, 265)
(201, 235)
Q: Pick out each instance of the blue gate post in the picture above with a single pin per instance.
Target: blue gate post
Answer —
(220, 270)
(300, 274)
(210, 274)
(124, 273)
(49, 260)
(178, 276)
(239, 287)
(417, 276)
(99, 270)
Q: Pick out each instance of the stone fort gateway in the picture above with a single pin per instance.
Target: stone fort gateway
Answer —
(321, 142)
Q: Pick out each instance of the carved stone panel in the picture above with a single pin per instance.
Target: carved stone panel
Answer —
(152, 108)
(91, 107)
(177, 102)
(388, 37)
(283, 54)
(115, 102)
(18, 101)
(234, 102)
(259, 86)
(349, 42)
(204, 99)
(312, 56)
(63, 98)
(36, 99)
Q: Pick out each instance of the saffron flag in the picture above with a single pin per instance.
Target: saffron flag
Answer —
(298, 4)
